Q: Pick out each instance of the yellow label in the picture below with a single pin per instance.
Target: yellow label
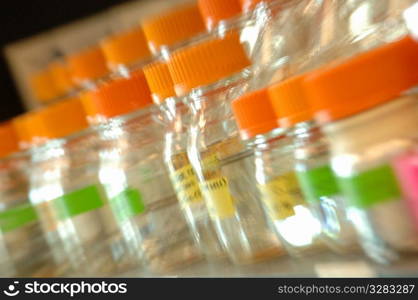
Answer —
(186, 185)
(218, 197)
(210, 162)
(281, 195)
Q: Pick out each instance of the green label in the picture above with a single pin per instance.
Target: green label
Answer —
(78, 202)
(371, 187)
(318, 182)
(127, 204)
(17, 217)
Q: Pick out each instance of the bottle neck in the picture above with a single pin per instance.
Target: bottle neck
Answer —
(301, 135)
(74, 145)
(125, 70)
(305, 133)
(218, 95)
(266, 140)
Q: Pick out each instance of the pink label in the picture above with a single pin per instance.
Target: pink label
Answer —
(406, 167)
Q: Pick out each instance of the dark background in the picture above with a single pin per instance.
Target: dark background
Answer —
(23, 18)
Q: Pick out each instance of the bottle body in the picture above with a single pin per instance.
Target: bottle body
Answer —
(71, 202)
(320, 188)
(364, 148)
(295, 223)
(25, 251)
(133, 172)
(185, 181)
(226, 173)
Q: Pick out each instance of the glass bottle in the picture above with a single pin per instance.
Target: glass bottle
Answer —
(212, 72)
(24, 250)
(174, 29)
(68, 196)
(130, 65)
(281, 195)
(301, 35)
(370, 121)
(134, 176)
(312, 162)
(177, 119)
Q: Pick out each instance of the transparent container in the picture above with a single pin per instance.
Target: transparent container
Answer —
(312, 162)
(368, 127)
(69, 199)
(371, 160)
(139, 188)
(280, 193)
(302, 35)
(210, 73)
(226, 172)
(185, 181)
(23, 247)
(300, 230)
(171, 31)
(176, 121)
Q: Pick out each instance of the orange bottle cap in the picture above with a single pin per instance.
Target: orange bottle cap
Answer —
(363, 82)
(8, 139)
(254, 114)
(122, 96)
(89, 107)
(88, 64)
(34, 128)
(159, 81)
(61, 76)
(290, 102)
(214, 11)
(126, 47)
(59, 120)
(22, 130)
(173, 26)
(43, 86)
(207, 62)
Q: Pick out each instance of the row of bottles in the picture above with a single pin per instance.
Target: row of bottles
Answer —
(239, 130)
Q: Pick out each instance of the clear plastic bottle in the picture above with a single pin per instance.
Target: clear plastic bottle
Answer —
(185, 25)
(298, 228)
(177, 119)
(212, 72)
(68, 196)
(301, 35)
(312, 162)
(134, 176)
(30, 135)
(370, 120)
(177, 28)
(23, 247)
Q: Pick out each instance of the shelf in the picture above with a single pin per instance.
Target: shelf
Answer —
(321, 265)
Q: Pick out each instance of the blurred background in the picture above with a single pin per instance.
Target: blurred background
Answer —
(35, 33)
